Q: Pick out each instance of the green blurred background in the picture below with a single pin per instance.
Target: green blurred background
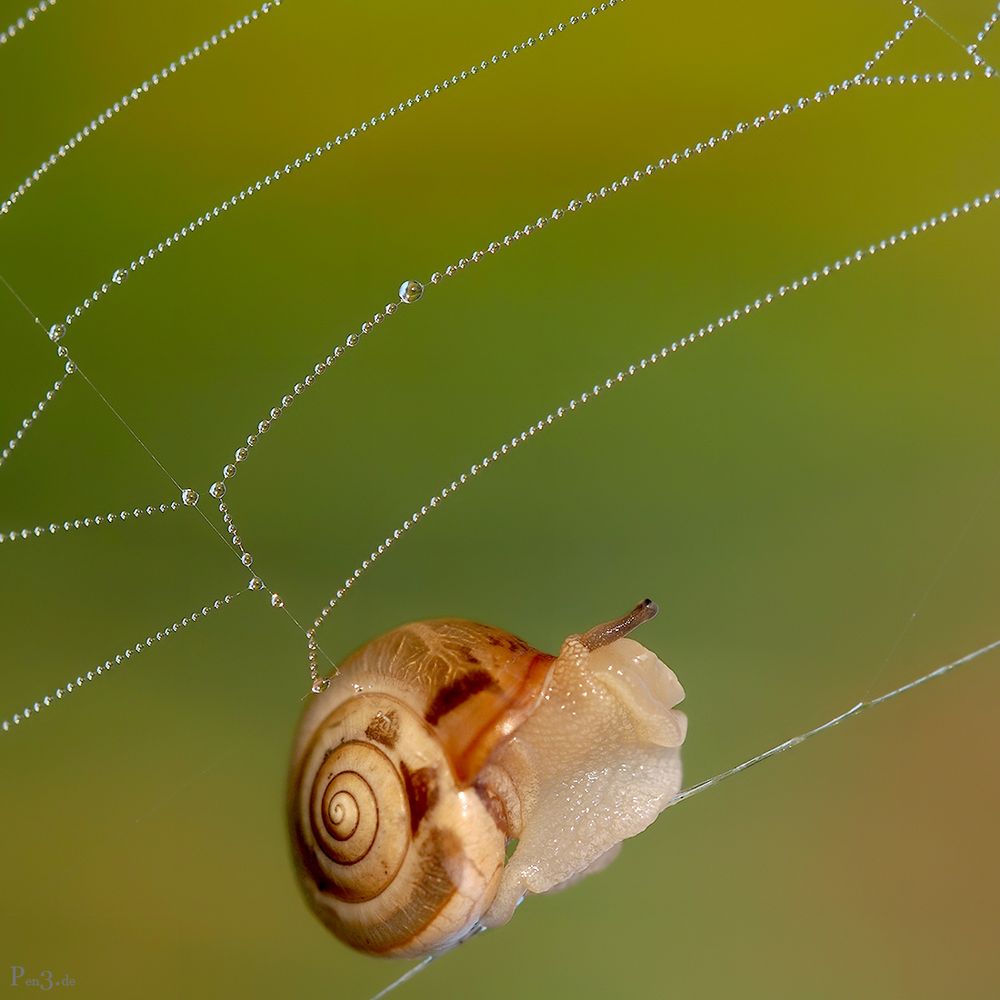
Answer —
(810, 496)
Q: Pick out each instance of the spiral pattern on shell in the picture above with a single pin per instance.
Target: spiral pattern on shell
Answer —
(359, 819)
(382, 833)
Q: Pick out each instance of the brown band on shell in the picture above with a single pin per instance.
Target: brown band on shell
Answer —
(471, 733)
(458, 692)
(421, 791)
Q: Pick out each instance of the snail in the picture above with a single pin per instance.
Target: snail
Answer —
(449, 769)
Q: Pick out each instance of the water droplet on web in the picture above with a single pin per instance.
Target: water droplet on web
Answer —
(217, 490)
(119, 276)
(189, 497)
(246, 559)
(57, 331)
(410, 291)
(256, 583)
(276, 601)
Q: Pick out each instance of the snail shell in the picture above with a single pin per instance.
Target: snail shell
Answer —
(440, 743)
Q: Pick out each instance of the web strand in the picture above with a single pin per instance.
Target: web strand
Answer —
(32, 710)
(29, 421)
(404, 978)
(935, 578)
(28, 17)
(130, 98)
(857, 709)
(413, 291)
(988, 25)
(188, 496)
(969, 50)
(93, 520)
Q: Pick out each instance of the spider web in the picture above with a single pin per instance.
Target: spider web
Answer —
(177, 502)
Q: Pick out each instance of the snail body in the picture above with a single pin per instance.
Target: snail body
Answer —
(438, 744)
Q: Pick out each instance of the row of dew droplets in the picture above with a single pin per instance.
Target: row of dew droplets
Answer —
(409, 292)
(95, 520)
(28, 17)
(119, 275)
(130, 98)
(117, 660)
(28, 422)
(988, 25)
(319, 684)
(58, 330)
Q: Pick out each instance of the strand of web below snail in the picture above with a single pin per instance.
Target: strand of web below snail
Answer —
(412, 291)
(319, 684)
(130, 98)
(744, 765)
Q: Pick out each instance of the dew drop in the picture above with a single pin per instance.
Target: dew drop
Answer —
(276, 601)
(217, 490)
(410, 291)
(189, 497)
(56, 332)
(119, 276)
(256, 583)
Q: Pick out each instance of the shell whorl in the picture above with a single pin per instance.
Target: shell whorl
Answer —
(357, 812)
